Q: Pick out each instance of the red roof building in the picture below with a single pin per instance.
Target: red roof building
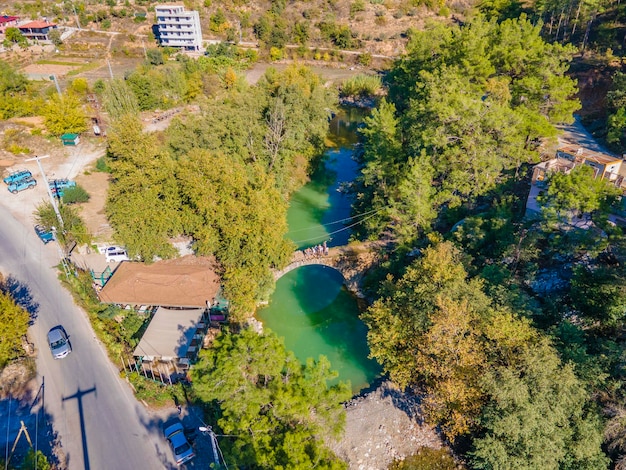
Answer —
(37, 30)
(7, 22)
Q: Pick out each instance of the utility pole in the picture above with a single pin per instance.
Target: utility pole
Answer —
(76, 14)
(56, 83)
(45, 181)
(110, 70)
(25, 432)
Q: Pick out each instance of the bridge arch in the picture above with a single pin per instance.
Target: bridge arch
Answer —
(351, 261)
(324, 261)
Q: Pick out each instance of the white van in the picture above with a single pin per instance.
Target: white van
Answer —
(116, 254)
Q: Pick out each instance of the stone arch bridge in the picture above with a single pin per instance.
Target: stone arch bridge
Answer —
(352, 261)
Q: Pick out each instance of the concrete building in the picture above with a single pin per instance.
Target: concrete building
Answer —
(178, 28)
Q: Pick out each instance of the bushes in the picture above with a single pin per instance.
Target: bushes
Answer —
(426, 459)
(75, 195)
(361, 85)
(156, 394)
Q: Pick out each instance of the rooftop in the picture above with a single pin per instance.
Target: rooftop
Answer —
(36, 25)
(8, 19)
(189, 281)
(590, 155)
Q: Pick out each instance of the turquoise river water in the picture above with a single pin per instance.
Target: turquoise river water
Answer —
(310, 309)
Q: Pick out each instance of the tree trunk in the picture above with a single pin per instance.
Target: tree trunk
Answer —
(586, 38)
(558, 28)
(576, 19)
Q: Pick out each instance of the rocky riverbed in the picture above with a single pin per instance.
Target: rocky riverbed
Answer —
(383, 425)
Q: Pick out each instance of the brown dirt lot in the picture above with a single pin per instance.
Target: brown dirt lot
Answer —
(92, 211)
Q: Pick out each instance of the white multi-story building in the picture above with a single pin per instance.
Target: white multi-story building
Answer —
(178, 28)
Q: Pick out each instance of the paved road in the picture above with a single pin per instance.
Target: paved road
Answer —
(99, 423)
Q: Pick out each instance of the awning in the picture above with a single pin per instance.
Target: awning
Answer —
(169, 333)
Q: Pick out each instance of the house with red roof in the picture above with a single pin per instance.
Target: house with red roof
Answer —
(37, 30)
(8, 22)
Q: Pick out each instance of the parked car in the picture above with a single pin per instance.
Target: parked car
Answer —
(45, 235)
(115, 254)
(61, 183)
(59, 342)
(17, 176)
(175, 434)
(20, 185)
(57, 192)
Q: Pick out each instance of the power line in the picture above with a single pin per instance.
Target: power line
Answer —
(334, 222)
(347, 227)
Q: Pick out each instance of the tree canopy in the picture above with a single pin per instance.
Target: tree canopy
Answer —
(64, 114)
(275, 408)
(222, 176)
(468, 104)
(538, 417)
(13, 326)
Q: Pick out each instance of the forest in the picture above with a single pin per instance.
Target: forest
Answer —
(510, 329)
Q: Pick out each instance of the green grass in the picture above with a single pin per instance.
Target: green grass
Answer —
(58, 62)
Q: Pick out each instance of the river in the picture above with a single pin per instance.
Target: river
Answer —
(310, 308)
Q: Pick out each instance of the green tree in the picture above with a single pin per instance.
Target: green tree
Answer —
(599, 295)
(245, 232)
(79, 86)
(296, 122)
(143, 201)
(64, 114)
(217, 21)
(576, 193)
(452, 358)
(155, 57)
(55, 36)
(73, 228)
(405, 312)
(13, 326)
(470, 104)
(15, 36)
(539, 416)
(399, 195)
(276, 408)
(146, 87)
(31, 457)
(11, 81)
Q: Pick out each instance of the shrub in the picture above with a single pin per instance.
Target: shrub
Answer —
(276, 54)
(365, 59)
(156, 394)
(361, 85)
(356, 6)
(17, 149)
(75, 195)
(426, 459)
(101, 165)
